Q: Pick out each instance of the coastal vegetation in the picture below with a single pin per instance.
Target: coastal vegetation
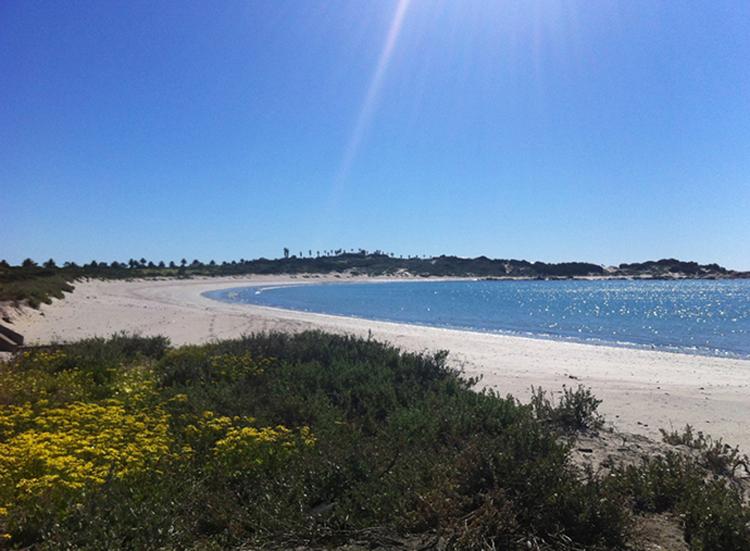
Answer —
(320, 441)
(33, 284)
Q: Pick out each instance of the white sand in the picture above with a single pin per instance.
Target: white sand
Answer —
(642, 390)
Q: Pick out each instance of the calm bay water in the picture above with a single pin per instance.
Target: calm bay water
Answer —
(703, 317)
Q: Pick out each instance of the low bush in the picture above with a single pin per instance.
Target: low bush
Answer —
(717, 456)
(713, 512)
(34, 289)
(575, 411)
(311, 440)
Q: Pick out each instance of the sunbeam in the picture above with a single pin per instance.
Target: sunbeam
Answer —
(371, 98)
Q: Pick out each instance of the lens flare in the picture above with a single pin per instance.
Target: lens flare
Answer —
(371, 98)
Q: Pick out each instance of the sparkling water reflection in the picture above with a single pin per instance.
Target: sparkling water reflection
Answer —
(705, 317)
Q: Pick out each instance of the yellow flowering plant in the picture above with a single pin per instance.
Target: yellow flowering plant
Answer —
(69, 427)
(191, 364)
(35, 385)
(233, 367)
(49, 360)
(237, 443)
(136, 385)
(56, 453)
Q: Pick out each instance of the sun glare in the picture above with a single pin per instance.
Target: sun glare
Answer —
(371, 98)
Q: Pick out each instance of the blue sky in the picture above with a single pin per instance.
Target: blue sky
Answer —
(599, 131)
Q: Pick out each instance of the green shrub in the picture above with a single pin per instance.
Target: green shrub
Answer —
(713, 513)
(37, 287)
(576, 410)
(722, 459)
(278, 441)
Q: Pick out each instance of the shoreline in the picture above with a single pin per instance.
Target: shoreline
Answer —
(642, 390)
(708, 353)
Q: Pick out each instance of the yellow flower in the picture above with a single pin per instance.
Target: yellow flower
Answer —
(78, 445)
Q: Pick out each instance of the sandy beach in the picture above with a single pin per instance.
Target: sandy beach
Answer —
(641, 390)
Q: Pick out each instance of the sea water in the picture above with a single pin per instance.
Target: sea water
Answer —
(697, 316)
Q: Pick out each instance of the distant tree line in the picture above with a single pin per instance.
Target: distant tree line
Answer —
(37, 283)
(358, 261)
(671, 265)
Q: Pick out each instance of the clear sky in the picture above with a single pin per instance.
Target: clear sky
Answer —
(596, 131)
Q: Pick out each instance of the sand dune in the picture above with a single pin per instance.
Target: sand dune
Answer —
(642, 390)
